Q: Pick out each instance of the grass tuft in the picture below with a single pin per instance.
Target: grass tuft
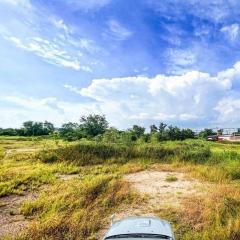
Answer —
(171, 178)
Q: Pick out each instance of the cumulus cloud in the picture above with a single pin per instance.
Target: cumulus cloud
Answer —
(193, 98)
(229, 109)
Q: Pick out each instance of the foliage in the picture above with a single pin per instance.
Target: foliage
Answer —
(89, 127)
(29, 128)
(138, 131)
(206, 132)
(70, 132)
(93, 125)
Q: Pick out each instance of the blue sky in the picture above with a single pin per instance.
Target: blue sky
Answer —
(136, 61)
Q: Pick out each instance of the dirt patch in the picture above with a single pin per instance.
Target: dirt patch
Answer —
(166, 188)
(20, 150)
(66, 177)
(12, 222)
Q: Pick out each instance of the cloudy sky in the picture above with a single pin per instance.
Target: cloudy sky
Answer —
(136, 61)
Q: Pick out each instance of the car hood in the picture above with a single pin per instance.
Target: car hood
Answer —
(140, 225)
(135, 239)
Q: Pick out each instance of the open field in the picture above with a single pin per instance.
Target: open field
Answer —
(56, 190)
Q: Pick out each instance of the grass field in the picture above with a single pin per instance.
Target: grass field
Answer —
(80, 185)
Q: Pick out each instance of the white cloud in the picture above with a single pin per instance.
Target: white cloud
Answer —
(117, 31)
(15, 110)
(48, 36)
(50, 52)
(194, 98)
(229, 109)
(231, 31)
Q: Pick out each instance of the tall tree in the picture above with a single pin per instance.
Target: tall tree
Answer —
(28, 128)
(138, 130)
(153, 128)
(93, 124)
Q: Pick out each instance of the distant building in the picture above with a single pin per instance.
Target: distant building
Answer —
(226, 134)
(212, 138)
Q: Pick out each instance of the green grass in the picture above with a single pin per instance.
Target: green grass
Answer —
(79, 208)
(171, 178)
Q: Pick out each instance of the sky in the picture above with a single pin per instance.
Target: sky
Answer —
(136, 61)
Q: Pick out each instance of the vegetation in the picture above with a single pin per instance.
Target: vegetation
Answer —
(30, 128)
(171, 178)
(80, 207)
(95, 127)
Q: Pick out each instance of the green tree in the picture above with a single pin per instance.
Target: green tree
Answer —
(93, 125)
(153, 129)
(174, 133)
(70, 131)
(28, 128)
(187, 133)
(138, 131)
(206, 132)
(48, 127)
(163, 134)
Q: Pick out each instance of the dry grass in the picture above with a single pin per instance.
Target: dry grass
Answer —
(78, 208)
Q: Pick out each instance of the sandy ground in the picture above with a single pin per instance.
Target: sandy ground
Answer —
(11, 220)
(162, 192)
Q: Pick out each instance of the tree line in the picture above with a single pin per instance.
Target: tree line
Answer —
(97, 127)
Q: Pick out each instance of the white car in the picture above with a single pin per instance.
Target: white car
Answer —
(140, 228)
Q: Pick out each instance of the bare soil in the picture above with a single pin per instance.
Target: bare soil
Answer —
(12, 222)
(162, 190)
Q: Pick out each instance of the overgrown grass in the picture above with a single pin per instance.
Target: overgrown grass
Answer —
(79, 208)
(97, 153)
(214, 217)
(87, 154)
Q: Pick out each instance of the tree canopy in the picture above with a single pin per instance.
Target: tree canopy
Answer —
(96, 127)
